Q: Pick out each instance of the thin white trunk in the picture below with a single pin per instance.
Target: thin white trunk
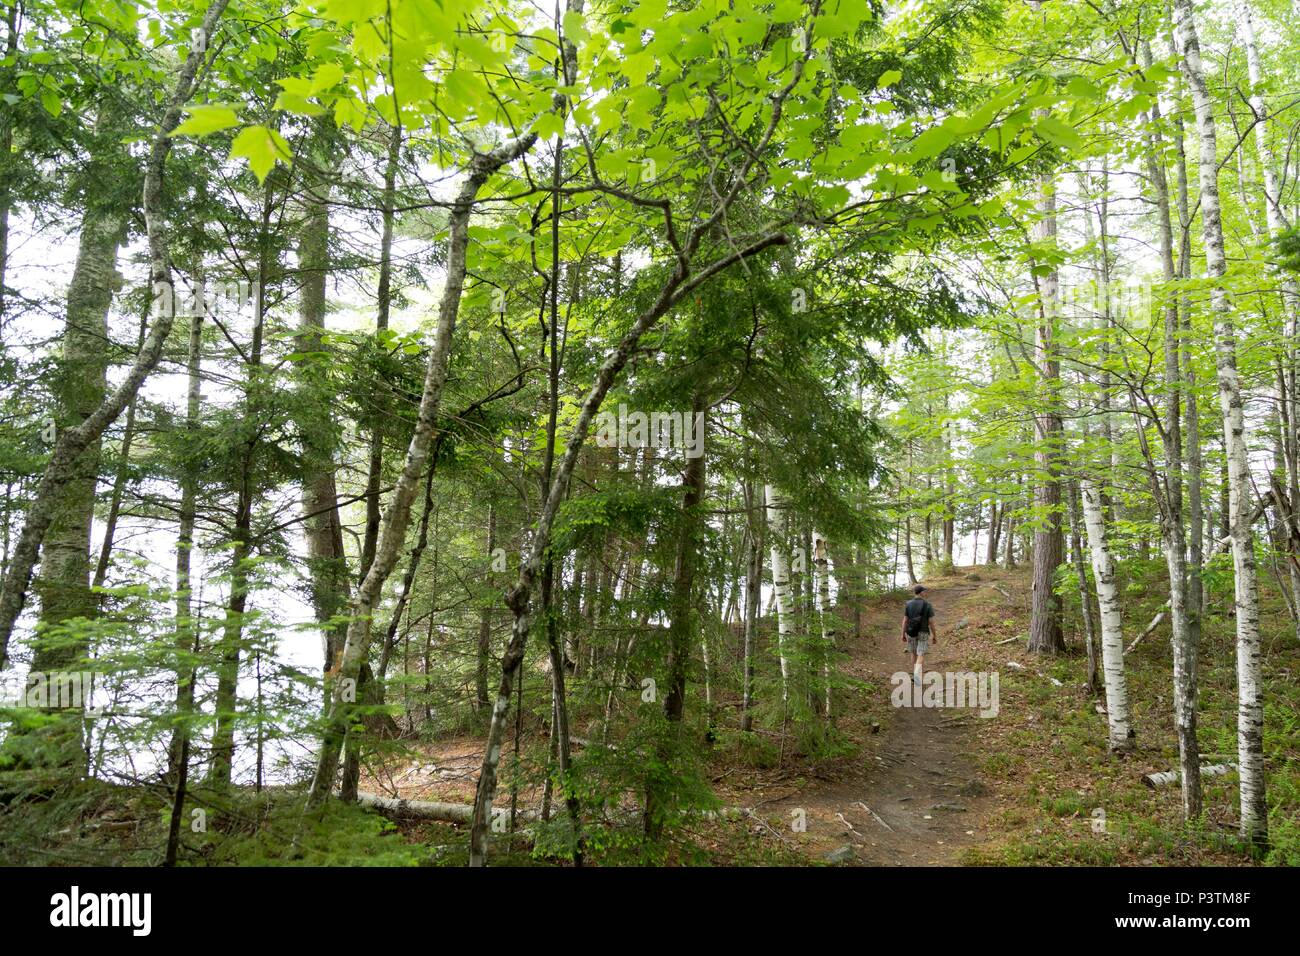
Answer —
(1185, 666)
(1250, 709)
(1112, 634)
(825, 610)
(1169, 491)
(1274, 216)
(780, 582)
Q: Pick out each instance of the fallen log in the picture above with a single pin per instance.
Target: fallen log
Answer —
(428, 810)
(1165, 778)
(418, 809)
(463, 813)
(1155, 622)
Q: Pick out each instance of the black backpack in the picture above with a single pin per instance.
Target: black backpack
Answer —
(918, 613)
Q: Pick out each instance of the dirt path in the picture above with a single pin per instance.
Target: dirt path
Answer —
(916, 798)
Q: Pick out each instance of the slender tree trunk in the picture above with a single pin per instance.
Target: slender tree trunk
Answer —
(1085, 593)
(427, 512)
(1112, 636)
(374, 472)
(119, 479)
(753, 596)
(826, 614)
(908, 561)
(1010, 532)
(994, 525)
(227, 699)
(481, 699)
(7, 143)
(227, 702)
(1045, 634)
(949, 489)
(1106, 398)
(187, 637)
(1250, 709)
(683, 624)
(778, 524)
(1169, 493)
(927, 529)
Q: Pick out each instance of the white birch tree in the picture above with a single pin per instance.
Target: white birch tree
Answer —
(1112, 635)
(776, 523)
(1250, 705)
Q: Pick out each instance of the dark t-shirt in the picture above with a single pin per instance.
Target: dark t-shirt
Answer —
(919, 609)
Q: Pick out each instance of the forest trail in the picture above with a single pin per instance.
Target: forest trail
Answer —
(915, 796)
(913, 793)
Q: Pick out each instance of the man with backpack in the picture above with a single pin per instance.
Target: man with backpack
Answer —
(918, 631)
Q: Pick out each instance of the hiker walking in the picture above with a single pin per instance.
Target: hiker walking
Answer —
(918, 631)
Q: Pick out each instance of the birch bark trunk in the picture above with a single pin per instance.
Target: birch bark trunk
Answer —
(825, 613)
(1085, 593)
(481, 699)
(777, 530)
(1169, 492)
(1112, 635)
(187, 634)
(1250, 709)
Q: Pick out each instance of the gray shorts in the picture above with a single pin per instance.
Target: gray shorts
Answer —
(919, 644)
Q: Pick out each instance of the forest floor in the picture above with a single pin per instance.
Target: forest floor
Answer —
(911, 793)
(919, 786)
